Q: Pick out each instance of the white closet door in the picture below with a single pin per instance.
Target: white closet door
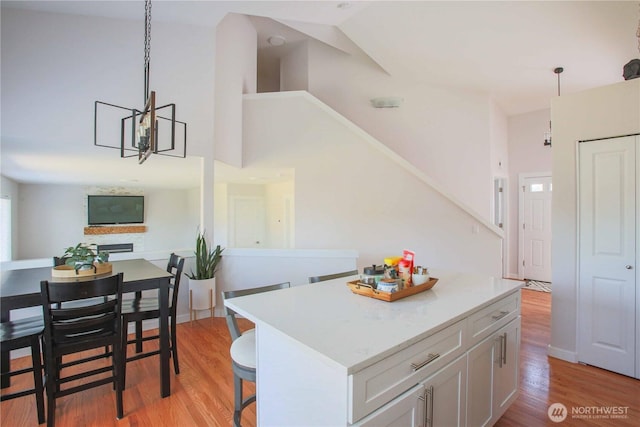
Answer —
(607, 289)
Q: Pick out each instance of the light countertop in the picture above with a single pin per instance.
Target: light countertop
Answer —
(355, 331)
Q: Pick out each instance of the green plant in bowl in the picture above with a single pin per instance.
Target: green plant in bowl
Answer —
(83, 256)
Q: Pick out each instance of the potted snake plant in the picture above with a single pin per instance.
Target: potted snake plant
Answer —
(202, 281)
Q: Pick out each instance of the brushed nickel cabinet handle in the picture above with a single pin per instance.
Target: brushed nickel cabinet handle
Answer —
(429, 409)
(499, 316)
(430, 358)
(501, 343)
(504, 350)
(425, 406)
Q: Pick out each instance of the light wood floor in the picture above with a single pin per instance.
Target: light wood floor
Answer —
(546, 380)
(202, 395)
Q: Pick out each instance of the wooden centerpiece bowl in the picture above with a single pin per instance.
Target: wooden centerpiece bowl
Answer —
(69, 271)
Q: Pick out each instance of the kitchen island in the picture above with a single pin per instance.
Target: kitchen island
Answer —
(329, 357)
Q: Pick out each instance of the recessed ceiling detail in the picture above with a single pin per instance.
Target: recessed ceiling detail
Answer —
(276, 40)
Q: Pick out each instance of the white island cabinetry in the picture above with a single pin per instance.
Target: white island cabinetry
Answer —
(437, 401)
(326, 356)
(492, 383)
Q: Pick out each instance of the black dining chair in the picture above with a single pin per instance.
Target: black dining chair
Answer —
(315, 279)
(243, 349)
(58, 261)
(145, 308)
(69, 330)
(25, 333)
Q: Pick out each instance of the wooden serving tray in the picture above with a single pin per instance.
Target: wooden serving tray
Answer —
(363, 289)
(68, 270)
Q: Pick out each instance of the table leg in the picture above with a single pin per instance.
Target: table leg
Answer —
(138, 328)
(165, 380)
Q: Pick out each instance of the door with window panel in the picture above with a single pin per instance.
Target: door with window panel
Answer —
(536, 226)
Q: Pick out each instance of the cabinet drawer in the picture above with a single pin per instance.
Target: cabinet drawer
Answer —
(489, 319)
(383, 381)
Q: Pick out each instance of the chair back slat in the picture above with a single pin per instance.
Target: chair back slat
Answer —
(86, 327)
(230, 315)
(93, 320)
(315, 279)
(97, 308)
(175, 267)
(73, 291)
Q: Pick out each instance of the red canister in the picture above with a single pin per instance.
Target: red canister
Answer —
(404, 272)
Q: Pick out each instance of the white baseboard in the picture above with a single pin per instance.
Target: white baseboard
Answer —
(181, 318)
(200, 314)
(559, 353)
(513, 276)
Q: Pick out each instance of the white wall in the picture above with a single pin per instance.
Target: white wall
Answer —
(55, 66)
(349, 195)
(499, 139)
(527, 154)
(248, 268)
(221, 213)
(444, 132)
(236, 73)
(53, 217)
(598, 113)
(9, 190)
(294, 68)
(499, 164)
(268, 73)
(277, 225)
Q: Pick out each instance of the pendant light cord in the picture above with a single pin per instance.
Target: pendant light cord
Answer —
(558, 70)
(147, 48)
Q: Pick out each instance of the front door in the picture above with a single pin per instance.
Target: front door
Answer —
(607, 235)
(536, 228)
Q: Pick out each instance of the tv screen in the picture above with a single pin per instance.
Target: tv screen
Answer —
(103, 210)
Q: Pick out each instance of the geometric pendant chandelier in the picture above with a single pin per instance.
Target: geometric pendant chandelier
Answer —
(151, 130)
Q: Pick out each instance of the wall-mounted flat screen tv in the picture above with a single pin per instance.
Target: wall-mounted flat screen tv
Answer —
(104, 210)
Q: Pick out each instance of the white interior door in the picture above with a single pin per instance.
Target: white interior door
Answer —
(247, 222)
(607, 234)
(536, 228)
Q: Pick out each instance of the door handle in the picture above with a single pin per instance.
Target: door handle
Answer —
(628, 267)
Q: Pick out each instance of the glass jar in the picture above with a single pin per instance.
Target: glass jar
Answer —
(371, 275)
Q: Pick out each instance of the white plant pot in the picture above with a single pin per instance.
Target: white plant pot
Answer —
(202, 294)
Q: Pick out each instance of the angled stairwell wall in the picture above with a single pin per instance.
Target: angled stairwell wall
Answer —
(353, 192)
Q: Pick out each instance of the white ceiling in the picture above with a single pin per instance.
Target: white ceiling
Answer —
(505, 48)
(508, 49)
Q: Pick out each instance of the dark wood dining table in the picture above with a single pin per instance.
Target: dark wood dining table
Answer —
(20, 288)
